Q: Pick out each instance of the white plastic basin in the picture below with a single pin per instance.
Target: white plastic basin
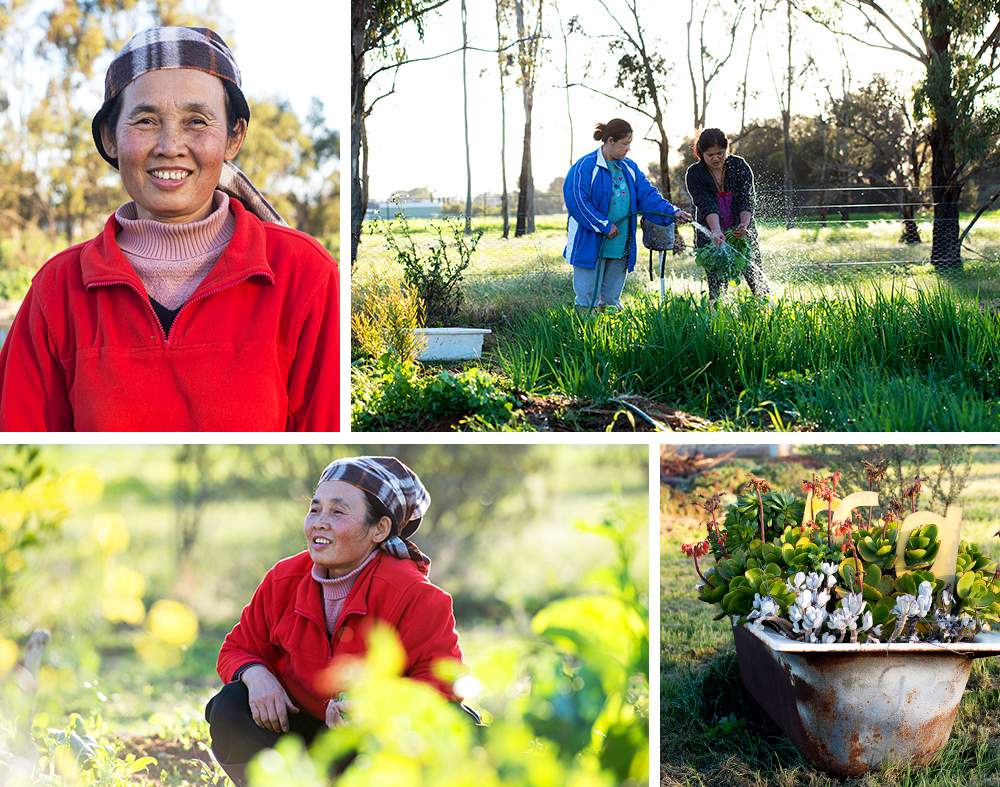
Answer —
(451, 344)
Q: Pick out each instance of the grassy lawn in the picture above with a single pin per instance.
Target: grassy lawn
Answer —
(714, 733)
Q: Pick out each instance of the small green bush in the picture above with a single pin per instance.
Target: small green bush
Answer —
(436, 271)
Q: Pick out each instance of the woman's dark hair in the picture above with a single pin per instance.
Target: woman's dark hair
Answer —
(376, 510)
(709, 138)
(115, 110)
(614, 130)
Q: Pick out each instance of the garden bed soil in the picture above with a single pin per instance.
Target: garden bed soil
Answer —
(178, 758)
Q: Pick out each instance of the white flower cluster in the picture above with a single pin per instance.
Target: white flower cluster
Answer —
(948, 627)
(809, 615)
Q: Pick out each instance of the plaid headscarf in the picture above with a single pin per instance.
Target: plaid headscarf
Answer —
(398, 488)
(196, 48)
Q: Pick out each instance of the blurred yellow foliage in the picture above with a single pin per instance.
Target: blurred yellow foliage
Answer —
(123, 610)
(173, 623)
(13, 562)
(123, 582)
(8, 655)
(80, 486)
(12, 510)
(111, 533)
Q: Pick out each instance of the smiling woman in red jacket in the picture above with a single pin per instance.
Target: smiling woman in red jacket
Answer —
(195, 309)
(313, 611)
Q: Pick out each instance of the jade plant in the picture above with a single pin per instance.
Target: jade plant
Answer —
(813, 578)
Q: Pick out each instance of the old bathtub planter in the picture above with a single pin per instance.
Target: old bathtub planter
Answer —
(451, 344)
(849, 707)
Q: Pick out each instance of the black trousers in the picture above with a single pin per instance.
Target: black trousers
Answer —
(236, 738)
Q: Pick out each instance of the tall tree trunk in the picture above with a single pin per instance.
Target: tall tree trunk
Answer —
(504, 196)
(359, 180)
(525, 182)
(946, 190)
(528, 57)
(465, 107)
(569, 112)
(786, 123)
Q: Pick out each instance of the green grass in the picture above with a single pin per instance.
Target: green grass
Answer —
(916, 361)
(837, 347)
(803, 260)
(714, 733)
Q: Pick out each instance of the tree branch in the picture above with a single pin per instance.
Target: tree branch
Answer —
(613, 98)
(411, 18)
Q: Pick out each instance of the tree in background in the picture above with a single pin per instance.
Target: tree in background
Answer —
(504, 62)
(704, 66)
(959, 55)
(376, 34)
(883, 144)
(642, 72)
(529, 57)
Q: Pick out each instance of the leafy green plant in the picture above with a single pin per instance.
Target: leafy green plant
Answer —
(434, 272)
(727, 261)
(397, 394)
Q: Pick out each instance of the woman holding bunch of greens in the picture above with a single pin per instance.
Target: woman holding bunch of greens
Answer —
(604, 191)
(196, 308)
(722, 190)
(312, 612)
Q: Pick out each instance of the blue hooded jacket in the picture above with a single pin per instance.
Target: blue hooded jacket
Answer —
(587, 192)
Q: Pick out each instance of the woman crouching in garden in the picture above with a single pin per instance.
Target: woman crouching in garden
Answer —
(313, 610)
(195, 309)
(604, 191)
(722, 190)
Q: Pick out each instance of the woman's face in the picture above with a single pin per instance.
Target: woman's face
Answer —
(617, 150)
(714, 156)
(171, 141)
(338, 535)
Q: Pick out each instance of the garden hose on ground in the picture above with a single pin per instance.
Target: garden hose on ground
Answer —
(599, 278)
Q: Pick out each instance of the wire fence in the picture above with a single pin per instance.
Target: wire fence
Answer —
(817, 238)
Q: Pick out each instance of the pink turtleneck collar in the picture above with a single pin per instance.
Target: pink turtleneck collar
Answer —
(173, 259)
(336, 589)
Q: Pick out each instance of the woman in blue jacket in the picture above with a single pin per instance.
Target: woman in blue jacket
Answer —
(601, 190)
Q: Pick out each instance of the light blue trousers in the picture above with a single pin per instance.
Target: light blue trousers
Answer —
(584, 279)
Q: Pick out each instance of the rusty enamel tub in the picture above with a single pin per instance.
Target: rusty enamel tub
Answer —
(850, 707)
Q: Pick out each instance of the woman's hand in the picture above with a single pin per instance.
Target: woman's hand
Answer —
(336, 711)
(718, 237)
(613, 232)
(269, 702)
(740, 230)
(681, 215)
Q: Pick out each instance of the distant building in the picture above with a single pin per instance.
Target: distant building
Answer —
(412, 209)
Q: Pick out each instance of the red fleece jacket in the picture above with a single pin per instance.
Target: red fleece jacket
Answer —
(255, 348)
(283, 627)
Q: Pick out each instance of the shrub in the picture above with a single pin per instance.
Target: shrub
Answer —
(436, 273)
(386, 319)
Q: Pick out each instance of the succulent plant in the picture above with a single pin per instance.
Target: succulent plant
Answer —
(878, 548)
(922, 547)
